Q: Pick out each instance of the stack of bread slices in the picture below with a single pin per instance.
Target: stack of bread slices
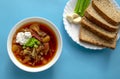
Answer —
(100, 24)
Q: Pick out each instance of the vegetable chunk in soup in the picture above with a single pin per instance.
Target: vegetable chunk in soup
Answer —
(34, 44)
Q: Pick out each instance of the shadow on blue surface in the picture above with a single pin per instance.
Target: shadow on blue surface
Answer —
(95, 61)
(16, 73)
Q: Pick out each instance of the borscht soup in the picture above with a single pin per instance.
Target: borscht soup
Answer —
(34, 44)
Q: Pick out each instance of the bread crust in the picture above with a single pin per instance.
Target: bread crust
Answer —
(105, 15)
(89, 37)
(97, 30)
(102, 23)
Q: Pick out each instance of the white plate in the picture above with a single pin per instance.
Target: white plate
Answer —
(73, 29)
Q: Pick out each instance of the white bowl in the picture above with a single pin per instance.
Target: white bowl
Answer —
(41, 68)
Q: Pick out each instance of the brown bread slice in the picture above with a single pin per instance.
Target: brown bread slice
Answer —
(107, 10)
(94, 17)
(97, 30)
(89, 37)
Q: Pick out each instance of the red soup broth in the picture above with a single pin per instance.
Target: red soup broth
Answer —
(53, 45)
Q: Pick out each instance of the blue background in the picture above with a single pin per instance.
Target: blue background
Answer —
(75, 61)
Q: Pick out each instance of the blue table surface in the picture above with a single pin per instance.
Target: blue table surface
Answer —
(75, 62)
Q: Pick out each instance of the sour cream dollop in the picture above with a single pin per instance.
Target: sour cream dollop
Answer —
(22, 37)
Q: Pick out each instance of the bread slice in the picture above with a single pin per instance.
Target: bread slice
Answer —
(97, 30)
(107, 10)
(89, 37)
(94, 17)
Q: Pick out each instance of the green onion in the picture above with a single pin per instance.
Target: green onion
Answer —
(81, 6)
(77, 6)
(32, 42)
(86, 3)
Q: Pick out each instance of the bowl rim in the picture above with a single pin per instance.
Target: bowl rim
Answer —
(40, 68)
